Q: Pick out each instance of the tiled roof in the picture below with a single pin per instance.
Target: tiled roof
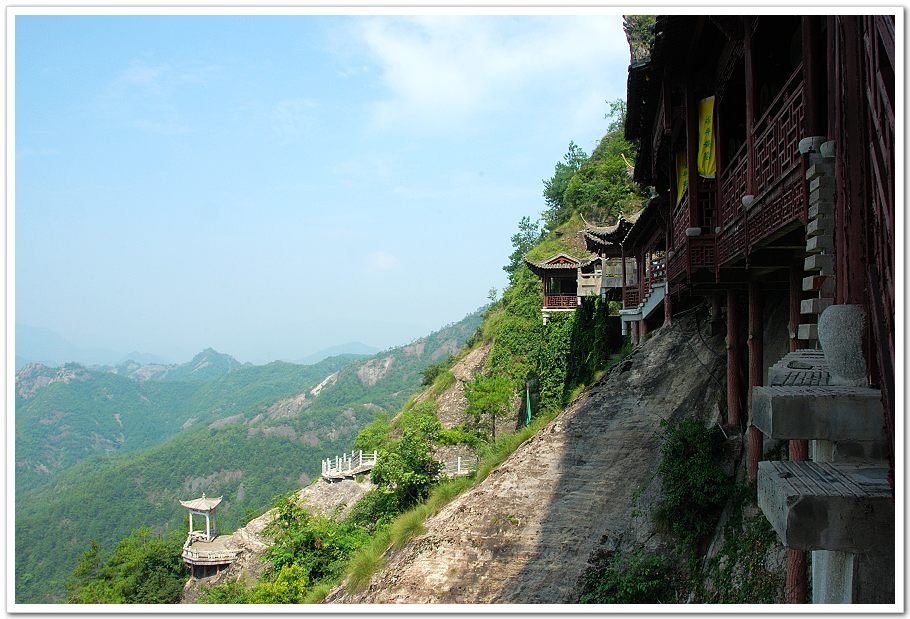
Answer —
(202, 504)
(559, 262)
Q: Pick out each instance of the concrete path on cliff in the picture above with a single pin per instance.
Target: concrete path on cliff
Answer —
(526, 532)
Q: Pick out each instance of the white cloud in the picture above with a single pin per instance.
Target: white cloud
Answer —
(381, 260)
(443, 70)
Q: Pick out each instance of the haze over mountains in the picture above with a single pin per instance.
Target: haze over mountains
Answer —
(106, 449)
(50, 348)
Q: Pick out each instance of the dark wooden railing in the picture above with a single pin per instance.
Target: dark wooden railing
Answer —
(777, 134)
(733, 187)
(631, 298)
(779, 190)
(560, 301)
(658, 271)
(680, 222)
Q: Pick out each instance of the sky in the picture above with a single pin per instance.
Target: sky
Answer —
(273, 185)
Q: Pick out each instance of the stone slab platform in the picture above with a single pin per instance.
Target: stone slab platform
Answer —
(801, 367)
(827, 506)
(830, 413)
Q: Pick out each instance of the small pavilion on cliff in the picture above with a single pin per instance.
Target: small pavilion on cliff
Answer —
(205, 551)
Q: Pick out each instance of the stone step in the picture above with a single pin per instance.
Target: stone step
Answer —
(815, 306)
(826, 412)
(821, 209)
(818, 244)
(807, 332)
(818, 226)
(820, 283)
(822, 182)
(818, 262)
(821, 168)
(845, 507)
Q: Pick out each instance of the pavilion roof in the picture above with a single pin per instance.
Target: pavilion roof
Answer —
(559, 263)
(603, 237)
(202, 504)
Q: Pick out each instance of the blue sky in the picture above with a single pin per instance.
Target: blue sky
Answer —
(273, 185)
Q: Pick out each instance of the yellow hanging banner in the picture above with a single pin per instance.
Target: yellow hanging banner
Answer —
(682, 176)
(707, 163)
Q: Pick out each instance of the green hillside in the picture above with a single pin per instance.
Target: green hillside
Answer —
(96, 411)
(252, 433)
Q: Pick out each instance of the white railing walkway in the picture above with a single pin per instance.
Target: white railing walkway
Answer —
(348, 465)
(458, 467)
(355, 463)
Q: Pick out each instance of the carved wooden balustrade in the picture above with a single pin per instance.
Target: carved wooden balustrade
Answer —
(560, 301)
(779, 189)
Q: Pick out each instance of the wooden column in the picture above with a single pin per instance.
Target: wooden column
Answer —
(668, 306)
(750, 105)
(642, 329)
(732, 361)
(623, 265)
(634, 332)
(850, 205)
(755, 374)
(191, 522)
(812, 77)
(692, 138)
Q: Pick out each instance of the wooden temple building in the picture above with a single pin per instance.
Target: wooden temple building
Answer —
(568, 280)
(769, 143)
(204, 551)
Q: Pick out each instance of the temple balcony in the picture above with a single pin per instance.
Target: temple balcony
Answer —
(777, 203)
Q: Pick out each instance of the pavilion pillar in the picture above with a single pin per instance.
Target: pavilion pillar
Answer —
(732, 361)
(668, 307)
(634, 324)
(755, 374)
(623, 265)
(642, 329)
(191, 522)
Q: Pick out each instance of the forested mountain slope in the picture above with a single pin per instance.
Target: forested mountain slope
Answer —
(252, 433)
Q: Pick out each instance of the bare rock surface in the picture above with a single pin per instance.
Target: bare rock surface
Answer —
(373, 370)
(525, 534)
(321, 497)
(451, 403)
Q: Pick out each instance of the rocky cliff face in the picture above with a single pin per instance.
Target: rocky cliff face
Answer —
(525, 534)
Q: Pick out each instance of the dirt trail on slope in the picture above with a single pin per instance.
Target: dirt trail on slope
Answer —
(526, 532)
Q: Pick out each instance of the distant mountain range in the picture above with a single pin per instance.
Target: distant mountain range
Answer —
(351, 348)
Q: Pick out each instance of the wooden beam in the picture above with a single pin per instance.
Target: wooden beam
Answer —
(733, 407)
(756, 336)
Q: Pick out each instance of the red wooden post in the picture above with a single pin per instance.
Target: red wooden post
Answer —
(732, 361)
(623, 264)
(799, 449)
(692, 139)
(634, 332)
(812, 72)
(642, 329)
(668, 305)
(755, 374)
(750, 105)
